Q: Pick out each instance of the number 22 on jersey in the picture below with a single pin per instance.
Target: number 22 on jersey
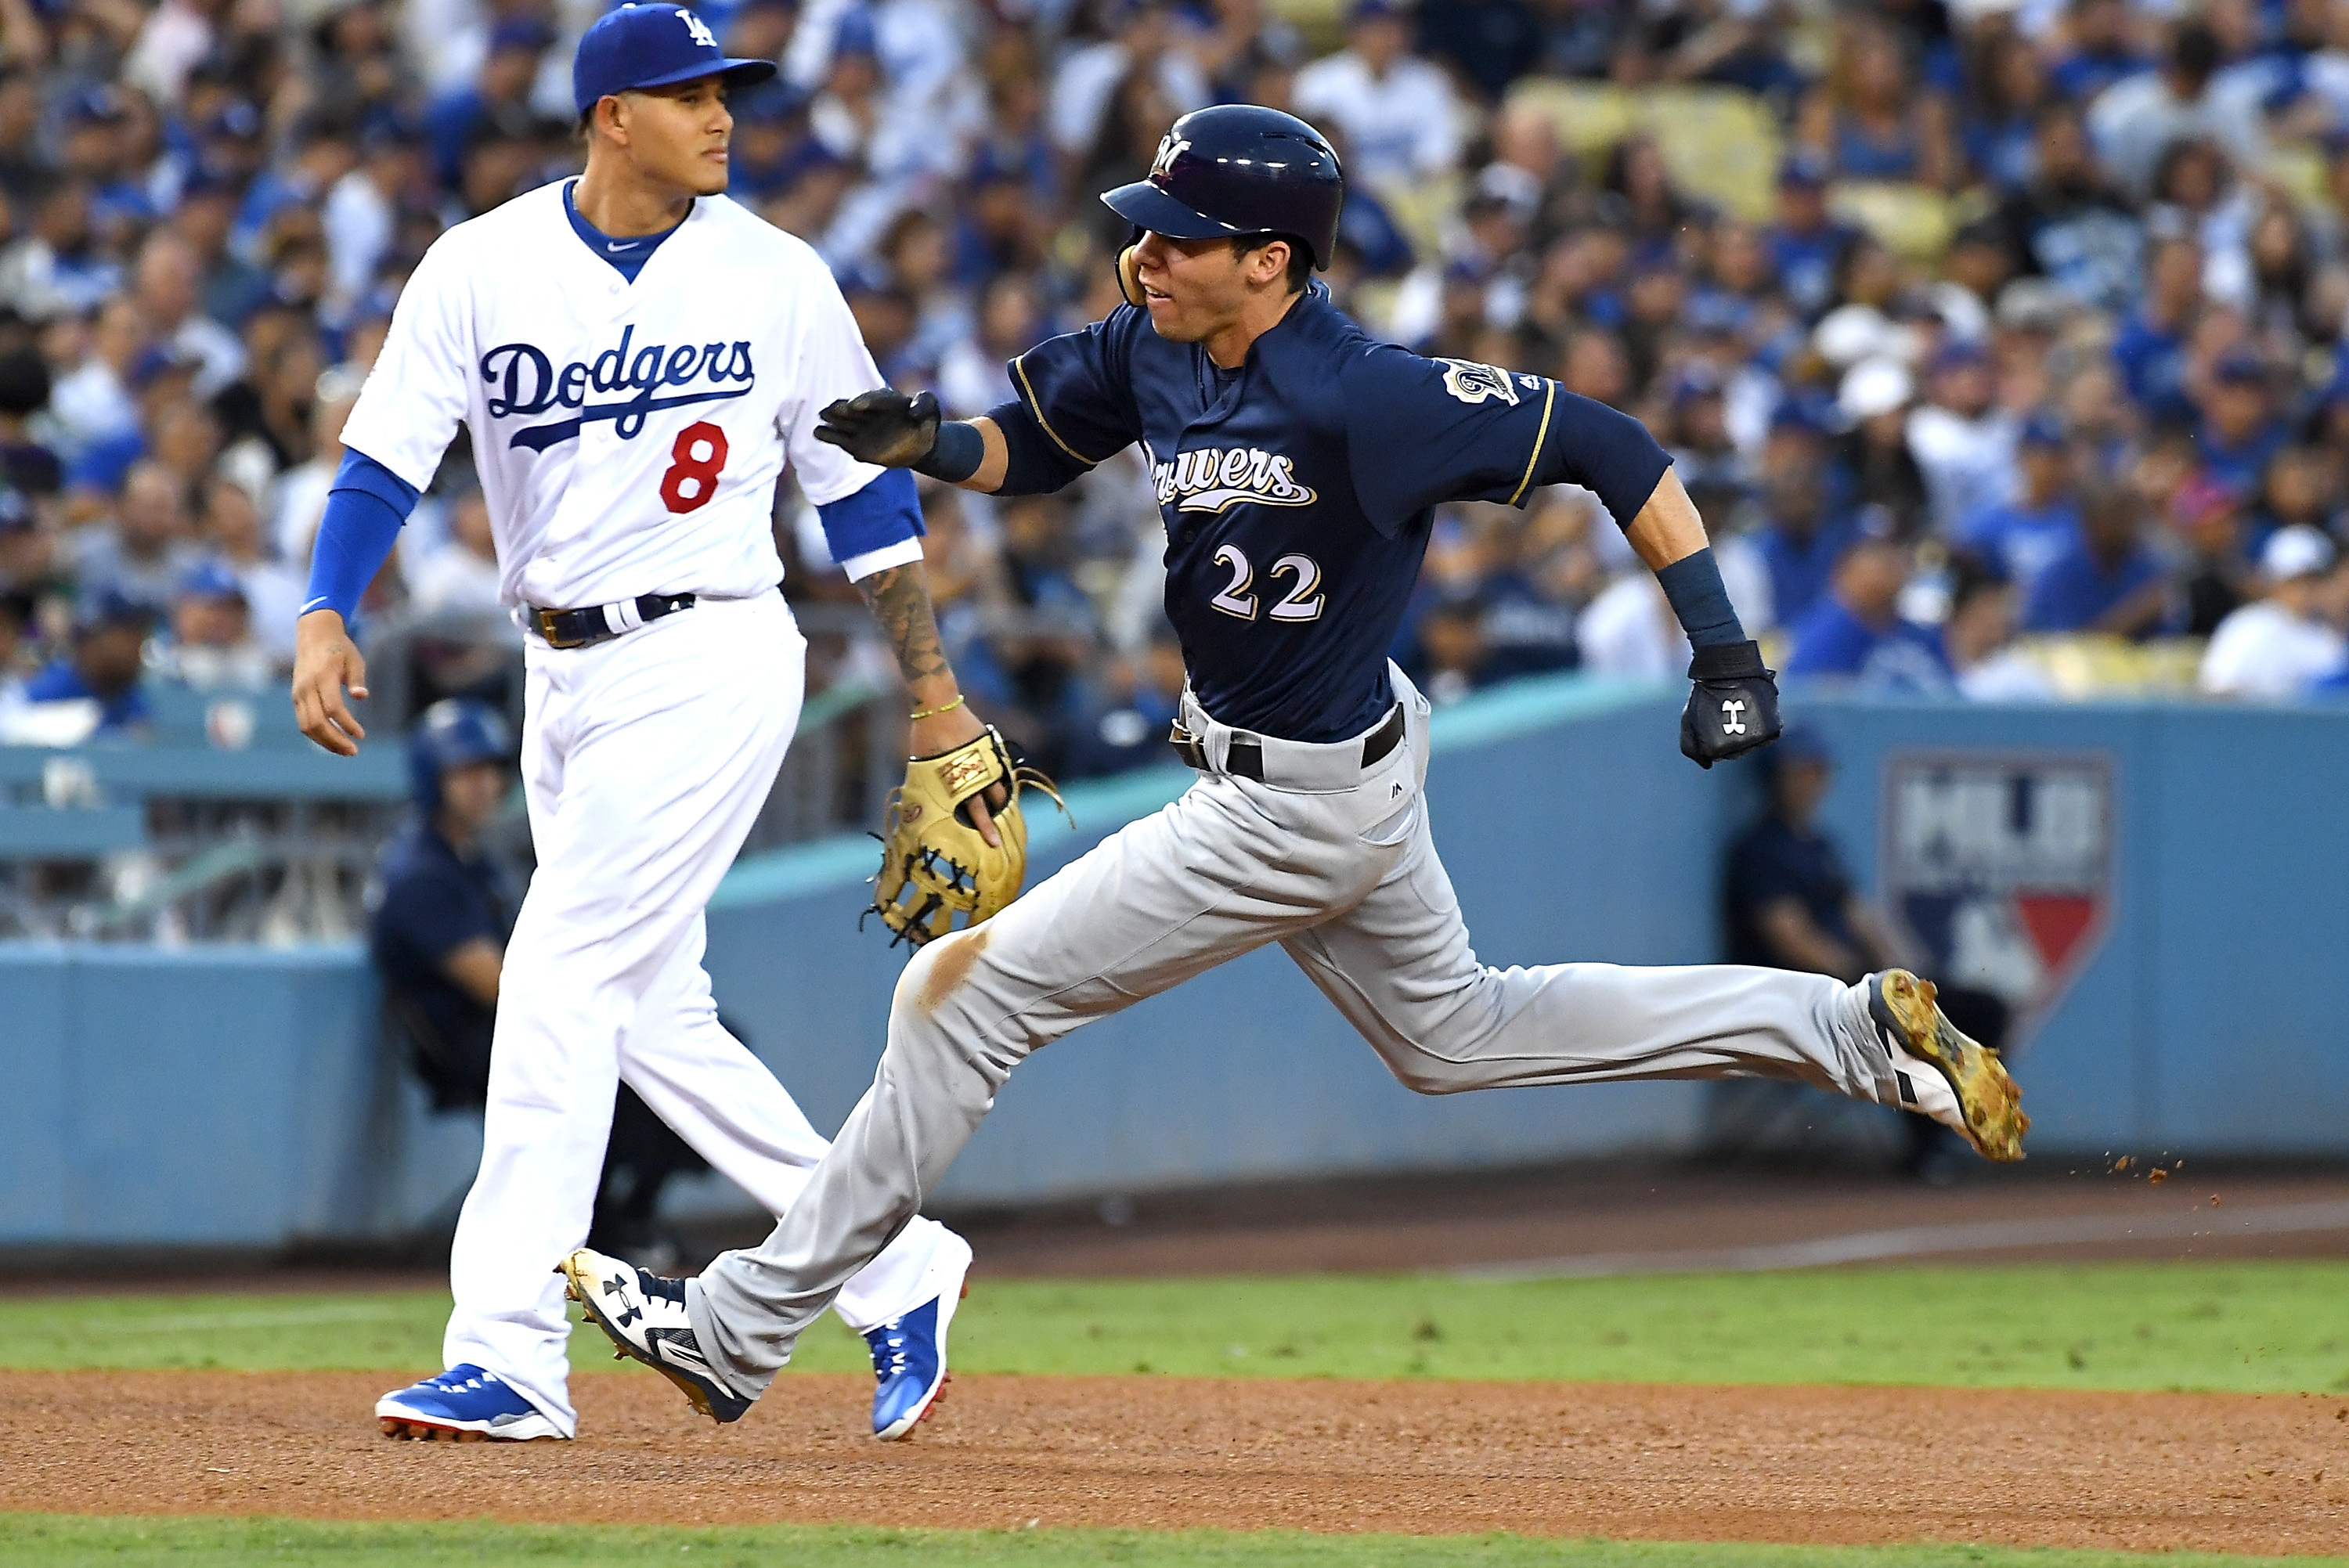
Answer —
(1301, 603)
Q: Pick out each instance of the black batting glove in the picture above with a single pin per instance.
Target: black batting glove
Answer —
(883, 425)
(1735, 708)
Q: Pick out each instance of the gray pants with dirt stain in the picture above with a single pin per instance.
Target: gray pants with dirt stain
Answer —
(1345, 876)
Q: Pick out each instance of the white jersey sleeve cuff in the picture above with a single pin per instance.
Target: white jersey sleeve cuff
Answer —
(901, 553)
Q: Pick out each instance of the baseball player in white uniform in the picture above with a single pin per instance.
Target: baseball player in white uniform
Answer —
(1299, 463)
(635, 356)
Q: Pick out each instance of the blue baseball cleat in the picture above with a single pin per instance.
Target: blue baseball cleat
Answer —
(463, 1404)
(909, 1355)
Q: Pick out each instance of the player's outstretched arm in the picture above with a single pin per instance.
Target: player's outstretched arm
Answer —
(888, 427)
(899, 598)
(1733, 707)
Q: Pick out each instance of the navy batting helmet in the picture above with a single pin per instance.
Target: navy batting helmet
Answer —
(1237, 170)
(455, 732)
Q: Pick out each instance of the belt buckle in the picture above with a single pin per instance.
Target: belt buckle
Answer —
(546, 622)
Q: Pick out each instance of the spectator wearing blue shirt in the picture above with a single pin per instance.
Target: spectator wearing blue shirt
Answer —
(229, 288)
(2108, 582)
(324, 152)
(1711, 467)
(1805, 242)
(2150, 349)
(771, 138)
(2239, 432)
(1855, 631)
(2102, 51)
(496, 105)
(103, 664)
(1999, 136)
(2024, 535)
(1798, 538)
(64, 270)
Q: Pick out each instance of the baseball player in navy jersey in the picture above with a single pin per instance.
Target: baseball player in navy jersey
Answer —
(1297, 461)
(634, 358)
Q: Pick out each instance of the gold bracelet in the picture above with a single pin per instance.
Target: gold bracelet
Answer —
(942, 707)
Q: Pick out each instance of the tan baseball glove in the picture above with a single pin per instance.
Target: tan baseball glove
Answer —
(935, 865)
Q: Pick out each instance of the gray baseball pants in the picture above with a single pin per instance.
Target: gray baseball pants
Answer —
(1334, 862)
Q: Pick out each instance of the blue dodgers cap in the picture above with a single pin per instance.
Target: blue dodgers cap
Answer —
(1959, 354)
(2239, 367)
(653, 47)
(1805, 169)
(111, 607)
(526, 34)
(210, 579)
(2042, 429)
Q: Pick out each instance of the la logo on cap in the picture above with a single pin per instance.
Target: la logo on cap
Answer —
(698, 28)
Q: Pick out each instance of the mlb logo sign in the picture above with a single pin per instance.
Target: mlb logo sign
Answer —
(2001, 866)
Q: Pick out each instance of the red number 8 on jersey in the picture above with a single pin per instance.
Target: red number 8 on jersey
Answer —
(692, 478)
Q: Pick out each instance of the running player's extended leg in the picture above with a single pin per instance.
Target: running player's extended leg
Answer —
(645, 759)
(1226, 869)
(1400, 966)
(723, 1100)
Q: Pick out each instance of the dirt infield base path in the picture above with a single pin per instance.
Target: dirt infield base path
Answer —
(2144, 1472)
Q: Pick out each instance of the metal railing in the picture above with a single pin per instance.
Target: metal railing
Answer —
(184, 840)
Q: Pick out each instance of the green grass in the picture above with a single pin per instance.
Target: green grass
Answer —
(53, 1541)
(2252, 1326)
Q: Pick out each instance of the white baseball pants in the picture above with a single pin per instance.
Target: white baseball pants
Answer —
(1348, 882)
(645, 761)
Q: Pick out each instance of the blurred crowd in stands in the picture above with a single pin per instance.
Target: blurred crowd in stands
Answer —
(1997, 340)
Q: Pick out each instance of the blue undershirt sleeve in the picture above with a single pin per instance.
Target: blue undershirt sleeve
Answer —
(365, 509)
(881, 520)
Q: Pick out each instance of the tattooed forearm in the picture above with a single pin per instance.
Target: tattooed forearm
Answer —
(899, 598)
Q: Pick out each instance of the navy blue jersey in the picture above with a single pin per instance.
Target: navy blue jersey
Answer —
(1297, 489)
(435, 901)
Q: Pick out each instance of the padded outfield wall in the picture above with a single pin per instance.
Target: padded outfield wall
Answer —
(2176, 872)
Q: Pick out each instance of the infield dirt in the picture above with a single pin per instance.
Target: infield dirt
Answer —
(2138, 1472)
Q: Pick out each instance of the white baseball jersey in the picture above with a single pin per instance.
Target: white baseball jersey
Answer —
(628, 436)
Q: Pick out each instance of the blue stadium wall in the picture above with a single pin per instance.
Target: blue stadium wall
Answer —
(238, 1096)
